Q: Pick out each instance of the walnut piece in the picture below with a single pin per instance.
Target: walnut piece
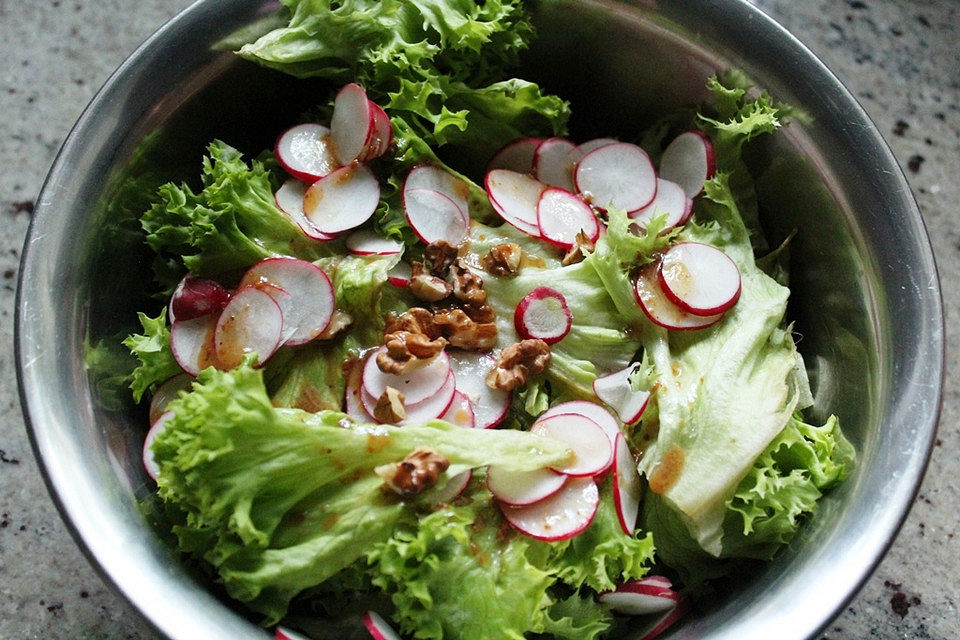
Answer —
(426, 286)
(581, 247)
(416, 473)
(517, 363)
(467, 286)
(439, 256)
(389, 407)
(412, 340)
(503, 260)
(463, 332)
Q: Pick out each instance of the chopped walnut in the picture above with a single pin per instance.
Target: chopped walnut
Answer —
(439, 256)
(467, 286)
(389, 407)
(427, 287)
(416, 473)
(463, 332)
(340, 321)
(517, 363)
(412, 340)
(581, 247)
(480, 313)
(503, 259)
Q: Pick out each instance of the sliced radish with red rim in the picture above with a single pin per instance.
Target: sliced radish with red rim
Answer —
(192, 344)
(289, 199)
(305, 151)
(616, 392)
(426, 176)
(618, 175)
(282, 633)
(590, 410)
(195, 297)
(593, 451)
(562, 215)
(471, 369)
(627, 489)
(352, 127)
(378, 627)
(352, 404)
(665, 621)
(560, 516)
(515, 197)
(552, 163)
(251, 323)
(149, 462)
(415, 386)
(543, 313)
(460, 412)
(582, 149)
(689, 161)
(638, 598)
(670, 201)
(516, 156)
(309, 307)
(342, 200)
(523, 487)
(382, 136)
(432, 407)
(167, 393)
(433, 217)
(367, 242)
(399, 275)
(661, 310)
(699, 278)
(452, 490)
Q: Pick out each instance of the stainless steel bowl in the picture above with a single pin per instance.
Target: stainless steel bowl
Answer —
(865, 290)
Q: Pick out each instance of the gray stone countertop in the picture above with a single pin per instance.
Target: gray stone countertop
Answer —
(900, 58)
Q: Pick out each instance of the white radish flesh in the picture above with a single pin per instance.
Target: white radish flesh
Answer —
(378, 627)
(370, 243)
(426, 176)
(617, 393)
(289, 199)
(352, 404)
(149, 462)
(191, 342)
(399, 275)
(432, 407)
(699, 278)
(523, 487)
(471, 369)
(516, 156)
(282, 633)
(592, 449)
(309, 307)
(342, 200)
(352, 126)
(306, 152)
(166, 393)
(562, 215)
(639, 599)
(689, 161)
(627, 489)
(415, 386)
(552, 163)
(251, 323)
(560, 516)
(590, 410)
(618, 175)
(582, 149)
(433, 217)
(195, 297)
(460, 412)
(661, 624)
(670, 201)
(515, 197)
(543, 313)
(382, 136)
(661, 310)
(453, 489)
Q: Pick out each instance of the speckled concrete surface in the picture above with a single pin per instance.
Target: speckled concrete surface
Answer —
(900, 58)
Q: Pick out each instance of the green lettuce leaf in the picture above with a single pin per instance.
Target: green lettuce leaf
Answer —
(152, 350)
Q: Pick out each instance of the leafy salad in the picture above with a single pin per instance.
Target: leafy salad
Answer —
(430, 361)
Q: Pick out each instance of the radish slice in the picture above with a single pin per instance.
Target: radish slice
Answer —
(582, 149)
(593, 451)
(543, 313)
(515, 197)
(523, 487)
(378, 627)
(382, 136)
(460, 412)
(432, 407)
(433, 216)
(415, 386)
(661, 624)
(516, 156)
(616, 392)
(306, 152)
(168, 392)
(453, 489)
(367, 242)
(149, 462)
(309, 307)
(670, 200)
(282, 633)
(558, 517)
(699, 278)
(433, 178)
(552, 163)
(342, 200)
(638, 598)
(561, 215)
(626, 486)
(662, 581)
(688, 160)
(352, 404)
(191, 342)
(661, 310)
(195, 297)
(352, 127)
(589, 410)
(251, 323)
(289, 199)
(618, 175)
(399, 275)
(471, 369)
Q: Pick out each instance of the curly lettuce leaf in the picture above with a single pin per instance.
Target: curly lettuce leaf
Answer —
(152, 350)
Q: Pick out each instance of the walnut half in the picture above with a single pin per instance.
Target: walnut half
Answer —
(411, 341)
(464, 332)
(517, 363)
(416, 473)
(503, 260)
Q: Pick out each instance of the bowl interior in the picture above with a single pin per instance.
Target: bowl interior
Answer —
(864, 297)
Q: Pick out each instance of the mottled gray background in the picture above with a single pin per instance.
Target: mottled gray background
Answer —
(900, 58)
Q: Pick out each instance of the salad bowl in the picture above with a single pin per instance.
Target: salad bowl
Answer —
(865, 296)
